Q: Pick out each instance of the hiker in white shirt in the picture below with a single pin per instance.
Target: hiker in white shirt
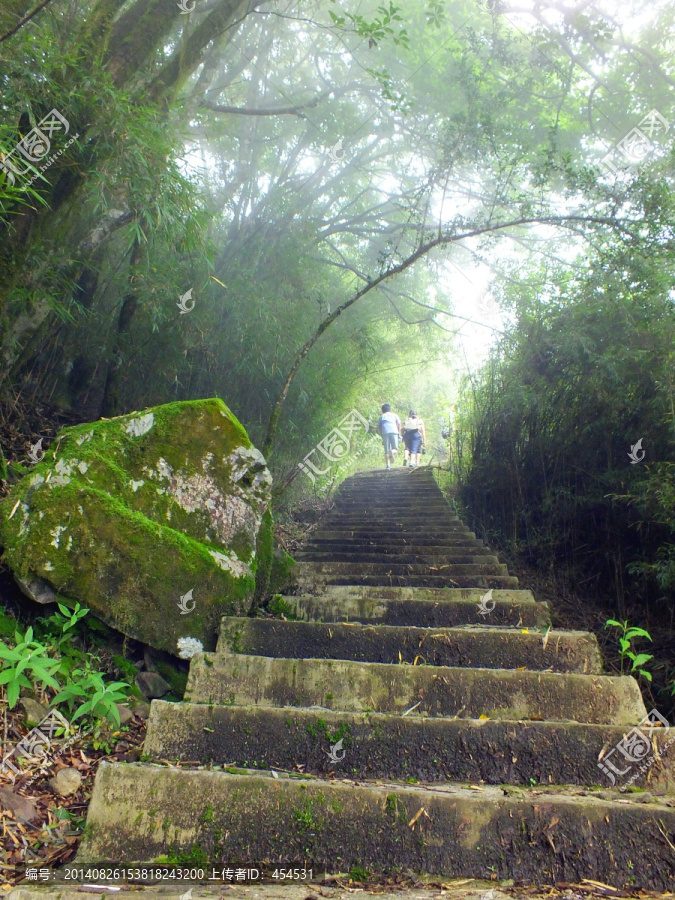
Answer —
(389, 427)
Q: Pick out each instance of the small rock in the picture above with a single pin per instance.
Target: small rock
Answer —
(152, 685)
(20, 807)
(148, 660)
(35, 712)
(133, 755)
(36, 589)
(126, 714)
(142, 709)
(66, 782)
(644, 797)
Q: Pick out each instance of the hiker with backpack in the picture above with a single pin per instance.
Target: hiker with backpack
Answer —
(389, 427)
(414, 438)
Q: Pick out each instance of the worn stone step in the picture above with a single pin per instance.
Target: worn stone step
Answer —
(360, 529)
(409, 498)
(486, 582)
(389, 550)
(395, 538)
(486, 647)
(396, 544)
(380, 746)
(428, 607)
(395, 503)
(432, 690)
(420, 477)
(139, 812)
(311, 554)
(403, 520)
(345, 570)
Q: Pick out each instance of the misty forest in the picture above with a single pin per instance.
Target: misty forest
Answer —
(231, 231)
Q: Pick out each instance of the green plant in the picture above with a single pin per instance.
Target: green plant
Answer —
(358, 873)
(27, 656)
(99, 698)
(628, 634)
(280, 607)
(60, 625)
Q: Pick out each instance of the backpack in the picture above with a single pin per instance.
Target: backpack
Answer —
(411, 424)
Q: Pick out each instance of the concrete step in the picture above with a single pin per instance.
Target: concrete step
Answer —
(486, 582)
(389, 529)
(379, 746)
(404, 520)
(427, 560)
(140, 812)
(429, 537)
(476, 647)
(394, 544)
(428, 607)
(345, 570)
(432, 690)
(400, 476)
(396, 502)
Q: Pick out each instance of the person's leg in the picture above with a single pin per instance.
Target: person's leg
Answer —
(388, 445)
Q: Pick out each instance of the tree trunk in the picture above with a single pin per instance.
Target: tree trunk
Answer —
(110, 402)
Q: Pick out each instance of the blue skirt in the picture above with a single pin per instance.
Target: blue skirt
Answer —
(413, 441)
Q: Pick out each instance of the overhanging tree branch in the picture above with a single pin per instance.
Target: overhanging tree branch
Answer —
(422, 250)
(23, 21)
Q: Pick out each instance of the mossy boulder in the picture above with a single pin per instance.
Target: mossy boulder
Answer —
(129, 515)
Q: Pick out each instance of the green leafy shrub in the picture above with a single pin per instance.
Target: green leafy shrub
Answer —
(99, 698)
(628, 634)
(56, 662)
(28, 655)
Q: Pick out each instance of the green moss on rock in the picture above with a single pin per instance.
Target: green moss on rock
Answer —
(282, 577)
(129, 515)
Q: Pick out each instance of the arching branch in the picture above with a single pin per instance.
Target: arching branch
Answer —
(422, 250)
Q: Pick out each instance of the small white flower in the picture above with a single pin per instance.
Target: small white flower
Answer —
(188, 646)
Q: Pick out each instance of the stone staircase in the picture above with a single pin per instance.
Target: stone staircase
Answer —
(414, 712)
